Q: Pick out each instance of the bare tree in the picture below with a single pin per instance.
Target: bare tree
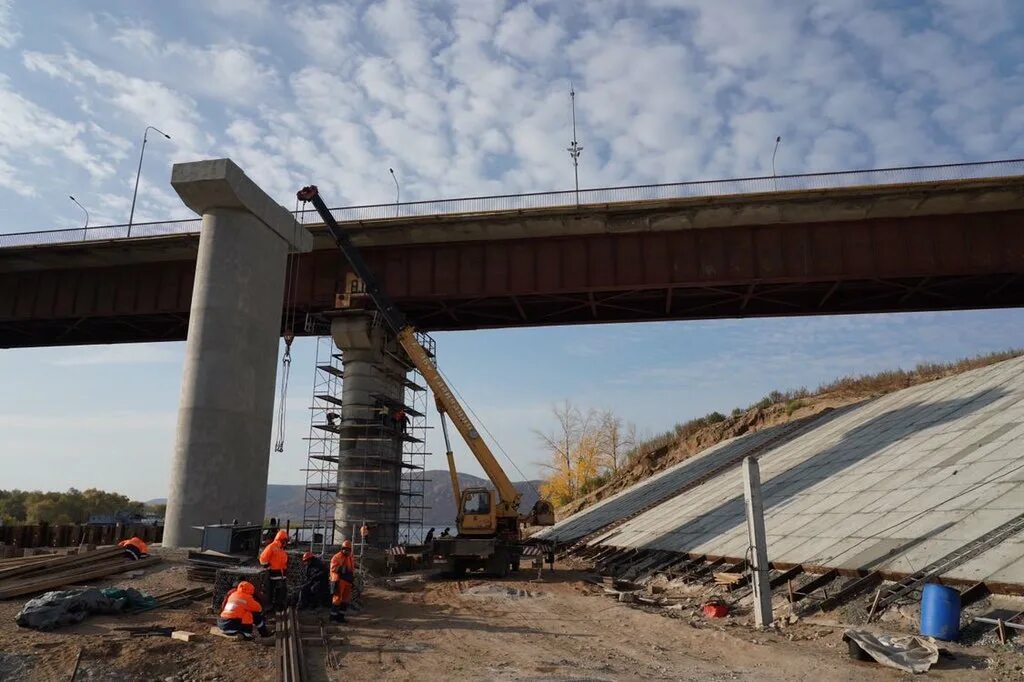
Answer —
(617, 439)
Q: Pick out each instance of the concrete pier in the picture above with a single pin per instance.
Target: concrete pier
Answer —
(370, 452)
(222, 450)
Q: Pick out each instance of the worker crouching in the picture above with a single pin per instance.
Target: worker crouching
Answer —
(240, 612)
(275, 559)
(135, 547)
(314, 591)
(343, 575)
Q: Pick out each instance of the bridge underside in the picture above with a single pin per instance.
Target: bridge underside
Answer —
(121, 292)
(632, 305)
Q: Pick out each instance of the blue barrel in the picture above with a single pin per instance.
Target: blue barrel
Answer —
(940, 612)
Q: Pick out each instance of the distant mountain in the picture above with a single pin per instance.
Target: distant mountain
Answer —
(287, 502)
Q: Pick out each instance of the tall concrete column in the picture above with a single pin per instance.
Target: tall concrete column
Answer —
(225, 416)
(370, 452)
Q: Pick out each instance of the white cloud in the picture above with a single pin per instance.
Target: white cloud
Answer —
(10, 32)
(29, 133)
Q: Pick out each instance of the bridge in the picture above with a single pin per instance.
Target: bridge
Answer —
(891, 240)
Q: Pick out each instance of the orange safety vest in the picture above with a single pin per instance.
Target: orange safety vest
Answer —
(342, 564)
(240, 606)
(135, 542)
(274, 557)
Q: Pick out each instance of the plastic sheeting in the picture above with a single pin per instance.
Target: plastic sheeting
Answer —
(911, 654)
(66, 607)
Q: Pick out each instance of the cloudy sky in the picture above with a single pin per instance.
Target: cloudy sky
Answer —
(472, 98)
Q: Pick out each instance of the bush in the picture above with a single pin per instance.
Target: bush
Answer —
(792, 406)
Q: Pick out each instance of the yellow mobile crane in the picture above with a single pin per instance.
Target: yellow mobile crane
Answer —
(489, 523)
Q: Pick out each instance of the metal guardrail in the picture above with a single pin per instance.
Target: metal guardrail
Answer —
(565, 198)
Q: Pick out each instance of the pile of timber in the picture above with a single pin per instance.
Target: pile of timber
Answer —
(34, 574)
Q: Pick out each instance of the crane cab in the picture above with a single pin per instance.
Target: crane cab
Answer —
(477, 512)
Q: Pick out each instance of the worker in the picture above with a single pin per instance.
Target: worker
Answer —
(275, 559)
(400, 419)
(343, 575)
(382, 413)
(445, 533)
(332, 417)
(430, 537)
(135, 547)
(314, 591)
(240, 612)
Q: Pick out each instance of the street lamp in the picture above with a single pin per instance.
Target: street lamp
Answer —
(398, 190)
(86, 227)
(131, 215)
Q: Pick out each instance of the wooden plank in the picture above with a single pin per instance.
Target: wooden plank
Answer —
(850, 591)
(785, 577)
(974, 593)
(816, 584)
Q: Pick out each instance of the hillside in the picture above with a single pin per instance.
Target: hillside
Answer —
(776, 408)
(286, 502)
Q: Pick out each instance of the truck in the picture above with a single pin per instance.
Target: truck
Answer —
(489, 525)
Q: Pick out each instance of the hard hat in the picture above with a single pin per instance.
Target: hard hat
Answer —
(307, 556)
(282, 536)
(347, 544)
(246, 587)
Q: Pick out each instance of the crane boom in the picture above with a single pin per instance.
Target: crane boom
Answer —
(406, 335)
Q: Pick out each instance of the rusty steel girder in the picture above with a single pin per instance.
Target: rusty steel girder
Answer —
(876, 265)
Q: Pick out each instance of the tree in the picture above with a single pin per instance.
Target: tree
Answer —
(616, 441)
(573, 451)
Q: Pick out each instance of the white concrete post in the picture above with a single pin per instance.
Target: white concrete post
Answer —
(758, 542)
(222, 450)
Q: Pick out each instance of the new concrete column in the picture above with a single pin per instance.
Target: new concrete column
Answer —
(222, 450)
(369, 471)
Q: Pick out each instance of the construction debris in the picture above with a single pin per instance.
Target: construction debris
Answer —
(183, 635)
(728, 578)
(910, 654)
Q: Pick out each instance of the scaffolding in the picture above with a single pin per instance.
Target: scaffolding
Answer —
(367, 450)
(415, 453)
(322, 447)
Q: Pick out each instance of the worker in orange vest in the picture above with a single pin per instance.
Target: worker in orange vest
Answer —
(241, 612)
(275, 559)
(135, 547)
(343, 575)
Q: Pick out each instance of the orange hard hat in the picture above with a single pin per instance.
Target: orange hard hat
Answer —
(307, 556)
(246, 587)
(282, 536)
(347, 544)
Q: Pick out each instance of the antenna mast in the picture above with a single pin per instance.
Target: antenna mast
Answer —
(574, 147)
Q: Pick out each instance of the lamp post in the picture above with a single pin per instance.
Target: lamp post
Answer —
(398, 190)
(86, 227)
(138, 173)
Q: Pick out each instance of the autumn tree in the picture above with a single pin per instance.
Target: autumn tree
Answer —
(616, 440)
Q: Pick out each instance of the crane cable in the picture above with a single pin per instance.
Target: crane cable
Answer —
(290, 284)
(488, 431)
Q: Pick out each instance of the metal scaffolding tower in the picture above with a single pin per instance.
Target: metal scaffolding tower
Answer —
(322, 451)
(364, 466)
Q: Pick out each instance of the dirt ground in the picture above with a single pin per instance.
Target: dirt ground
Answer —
(563, 628)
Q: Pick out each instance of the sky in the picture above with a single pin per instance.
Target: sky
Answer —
(471, 98)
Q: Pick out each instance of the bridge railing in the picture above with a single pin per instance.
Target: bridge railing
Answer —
(564, 198)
